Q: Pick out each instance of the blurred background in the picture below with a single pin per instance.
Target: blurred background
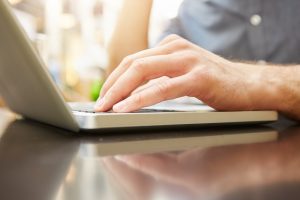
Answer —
(71, 36)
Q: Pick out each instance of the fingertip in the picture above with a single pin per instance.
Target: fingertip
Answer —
(120, 107)
(99, 102)
(100, 105)
(98, 109)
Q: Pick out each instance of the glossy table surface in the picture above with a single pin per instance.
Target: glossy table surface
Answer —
(245, 162)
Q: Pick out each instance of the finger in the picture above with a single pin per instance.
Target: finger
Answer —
(141, 71)
(134, 182)
(124, 66)
(159, 166)
(150, 84)
(170, 89)
(161, 50)
(166, 47)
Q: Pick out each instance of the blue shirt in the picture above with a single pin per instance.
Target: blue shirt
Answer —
(242, 29)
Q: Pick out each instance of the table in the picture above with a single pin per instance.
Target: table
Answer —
(39, 162)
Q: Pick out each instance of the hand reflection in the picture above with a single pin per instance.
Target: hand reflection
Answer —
(135, 184)
(213, 172)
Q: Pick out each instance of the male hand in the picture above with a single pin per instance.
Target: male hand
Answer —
(212, 172)
(181, 68)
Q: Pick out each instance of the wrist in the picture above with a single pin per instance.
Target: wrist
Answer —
(288, 92)
(281, 90)
(264, 86)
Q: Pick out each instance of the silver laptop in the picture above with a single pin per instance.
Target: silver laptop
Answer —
(28, 90)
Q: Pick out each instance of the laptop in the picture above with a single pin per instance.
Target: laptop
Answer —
(27, 88)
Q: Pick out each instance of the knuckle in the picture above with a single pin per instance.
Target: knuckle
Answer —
(138, 63)
(198, 74)
(181, 44)
(138, 99)
(173, 37)
(167, 49)
(163, 89)
(128, 60)
(112, 94)
(191, 56)
(139, 66)
(198, 81)
(188, 60)
(205, 75)
(138, 70)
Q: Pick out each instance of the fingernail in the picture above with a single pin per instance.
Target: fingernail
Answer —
(99, 103)
(120, 107)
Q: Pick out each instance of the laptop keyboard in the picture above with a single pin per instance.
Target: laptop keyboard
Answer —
(138, 111)
(90, 109)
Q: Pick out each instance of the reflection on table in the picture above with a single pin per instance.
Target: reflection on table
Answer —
(249, 171)
(255, 162)
(34, 160)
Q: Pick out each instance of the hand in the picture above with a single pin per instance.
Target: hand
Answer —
(189, 71)
(219, 171)
(132, 184)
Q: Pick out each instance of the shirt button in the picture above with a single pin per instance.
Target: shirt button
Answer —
(255, 20)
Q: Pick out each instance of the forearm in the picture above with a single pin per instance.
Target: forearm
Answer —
(131, 31)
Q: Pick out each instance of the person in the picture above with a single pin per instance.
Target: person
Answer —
(260, 30)
(177, 67)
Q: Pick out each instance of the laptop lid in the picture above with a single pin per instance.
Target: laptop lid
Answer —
(25, 84)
